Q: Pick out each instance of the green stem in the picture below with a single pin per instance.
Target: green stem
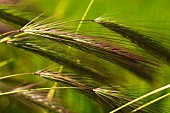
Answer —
(6, 62)
(87, 10)
(144, 96)
(15, 75)
(153, 101)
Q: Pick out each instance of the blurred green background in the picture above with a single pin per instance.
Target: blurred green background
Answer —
(135, 10)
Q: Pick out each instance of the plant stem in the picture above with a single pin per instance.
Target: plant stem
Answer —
(87, 10)
(15, 75)
(153, 101)
(6, 62)
(142, 97)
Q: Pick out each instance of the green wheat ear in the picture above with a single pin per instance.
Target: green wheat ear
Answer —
(143, 41)
(86, 87)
